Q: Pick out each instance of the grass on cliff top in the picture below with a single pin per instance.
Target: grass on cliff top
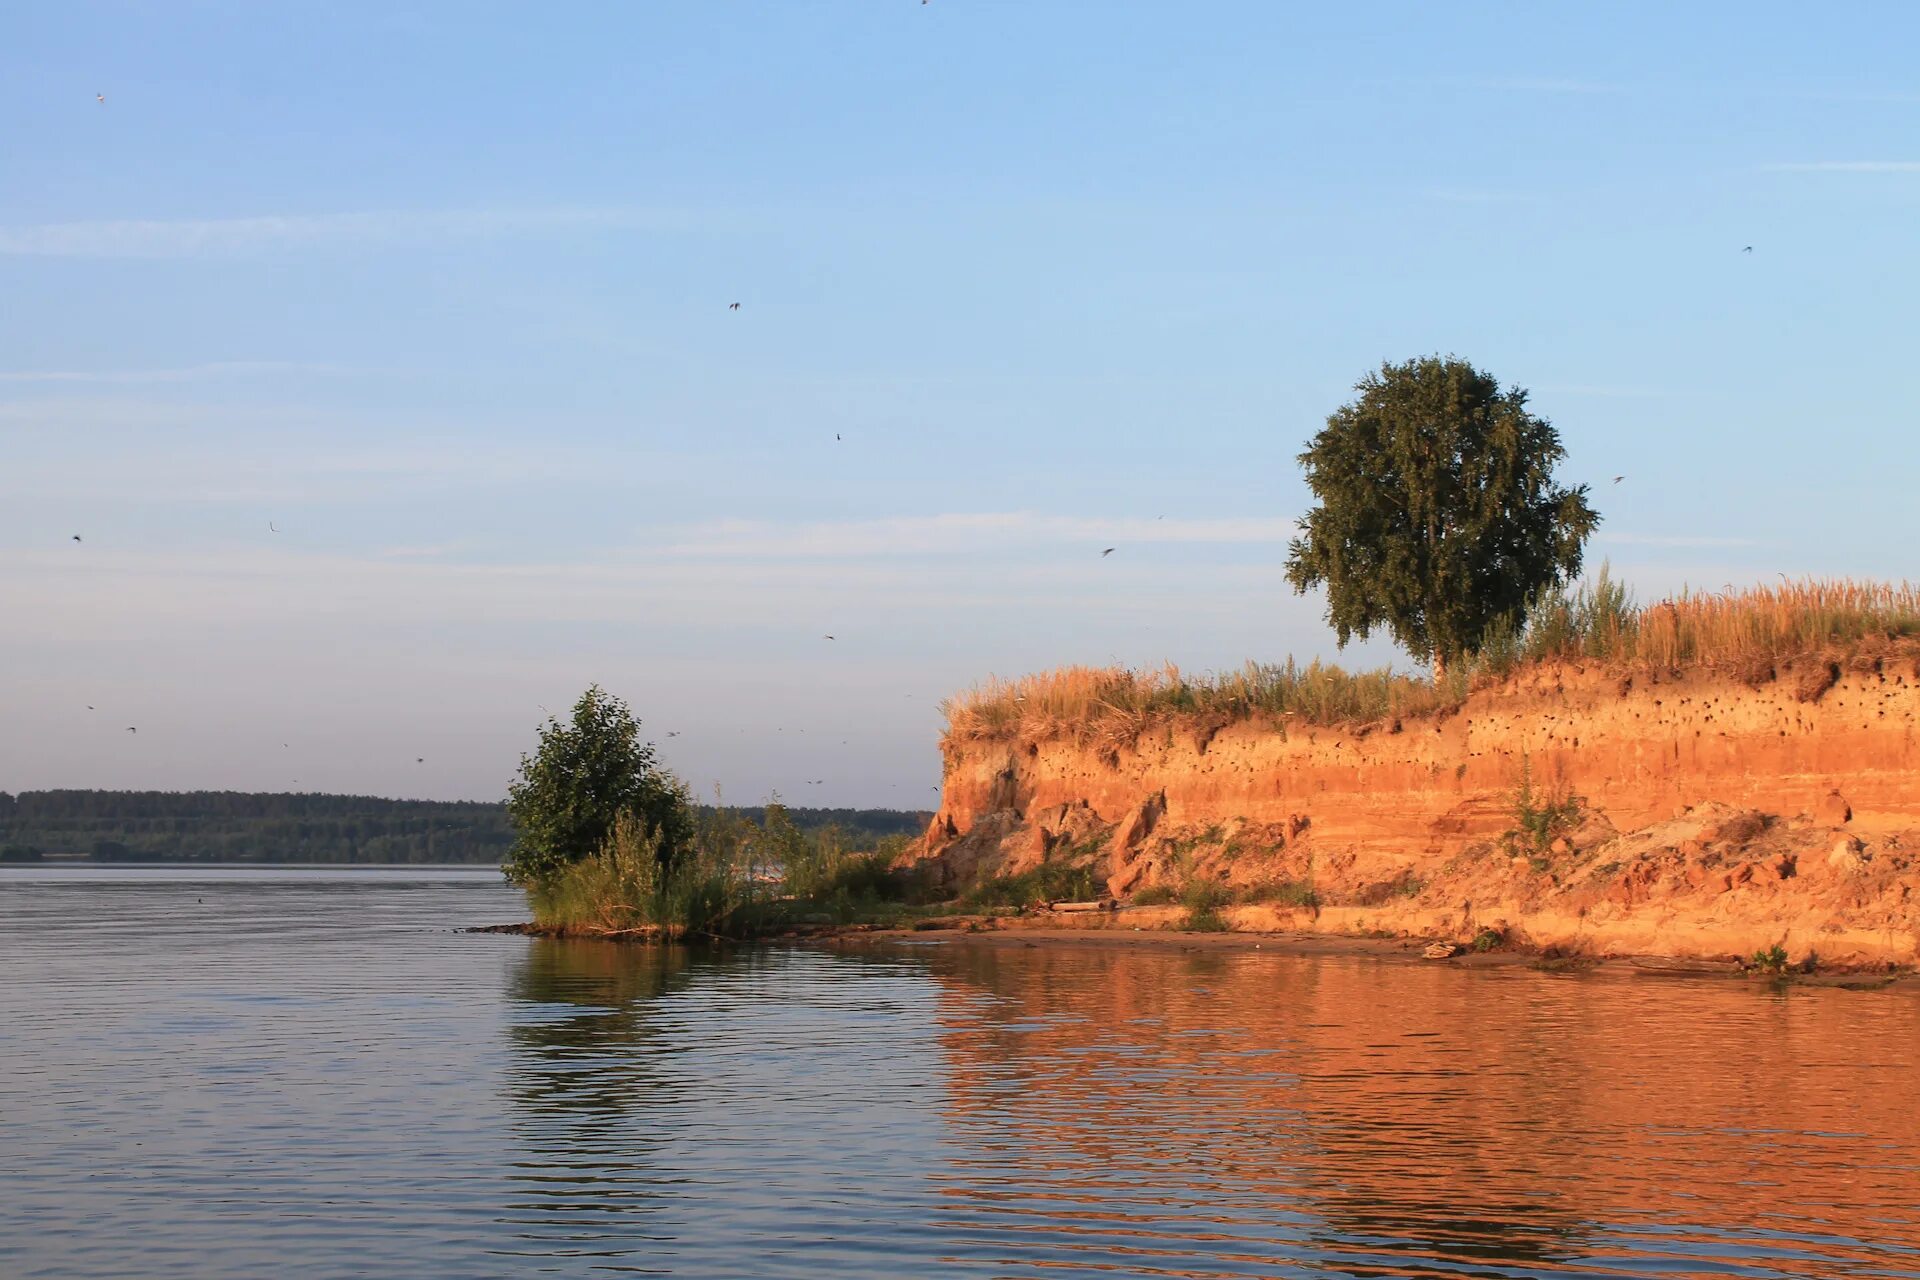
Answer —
(1597, 623)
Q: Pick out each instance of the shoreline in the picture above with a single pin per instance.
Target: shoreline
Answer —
(1040, 931)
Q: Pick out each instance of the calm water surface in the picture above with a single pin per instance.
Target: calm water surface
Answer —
(215, 1073)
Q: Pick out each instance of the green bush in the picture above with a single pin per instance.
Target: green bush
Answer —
(734, 878)
(1051, 881)
(1285, 893)
(1203, 900)
(1540, 814)
(585, 776)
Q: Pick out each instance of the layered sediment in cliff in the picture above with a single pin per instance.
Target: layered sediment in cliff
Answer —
(1693, 813)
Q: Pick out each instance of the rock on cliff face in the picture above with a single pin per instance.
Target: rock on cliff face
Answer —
(1691, 814)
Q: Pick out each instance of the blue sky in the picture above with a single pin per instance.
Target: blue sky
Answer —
(441, 293)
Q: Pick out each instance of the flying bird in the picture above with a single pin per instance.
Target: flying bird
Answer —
(1748, 249)
(733, 306)
(419, 759)
(1618, 479)
(829, 637)
(100, 98)
(89, 706)
(272, 527)
(76, 537)
(131, 729)
(836, 435)
(1109, 551)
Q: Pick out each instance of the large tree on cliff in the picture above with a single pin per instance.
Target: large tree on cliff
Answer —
(1438, 515)
(586, 774)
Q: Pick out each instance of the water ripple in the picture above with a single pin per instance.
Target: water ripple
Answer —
(224, 1074)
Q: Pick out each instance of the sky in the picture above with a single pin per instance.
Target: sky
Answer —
(382, 356)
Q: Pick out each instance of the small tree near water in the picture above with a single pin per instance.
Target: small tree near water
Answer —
(1438, 517)
(587, 774)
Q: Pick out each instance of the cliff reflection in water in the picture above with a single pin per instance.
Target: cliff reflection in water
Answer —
(1022, 1111)
(1382, 1118)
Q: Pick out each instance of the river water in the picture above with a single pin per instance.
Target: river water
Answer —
(241, 1073)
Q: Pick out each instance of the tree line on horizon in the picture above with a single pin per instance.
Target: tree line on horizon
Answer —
(237, 826)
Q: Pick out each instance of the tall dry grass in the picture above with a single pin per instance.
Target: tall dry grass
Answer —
(1598, 623)
(1790, 620)
(626, 887)
(1114, 701)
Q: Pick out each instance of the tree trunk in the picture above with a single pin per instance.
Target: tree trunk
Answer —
(1439, 666)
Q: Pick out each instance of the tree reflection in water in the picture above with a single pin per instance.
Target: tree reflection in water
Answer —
(588, 1062)
(581, 1020)
(716, 1111)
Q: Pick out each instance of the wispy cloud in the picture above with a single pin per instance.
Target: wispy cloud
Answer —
(1545, 84)
(1895, 97)
(1845, 166)
(178, 238)
(188, 373)
(961, 533)
(1478, 195)
(181, 461)
(280, 584)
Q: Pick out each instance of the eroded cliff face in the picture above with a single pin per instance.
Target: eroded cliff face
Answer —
(1705, 816)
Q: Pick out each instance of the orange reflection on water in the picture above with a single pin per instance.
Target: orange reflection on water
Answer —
(1213, 1111)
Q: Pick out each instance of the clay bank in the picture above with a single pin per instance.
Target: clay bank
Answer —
(1768, 806)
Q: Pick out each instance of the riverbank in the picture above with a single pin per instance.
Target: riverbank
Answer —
(1727, 780)
(1410, 951)
(1702, 813)
(1160, 928)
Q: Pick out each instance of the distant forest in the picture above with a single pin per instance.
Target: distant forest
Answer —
(237, 826)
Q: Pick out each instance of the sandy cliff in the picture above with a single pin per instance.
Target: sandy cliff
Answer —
(1710, 815)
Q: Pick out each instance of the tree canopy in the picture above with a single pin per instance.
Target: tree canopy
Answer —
(1438, 517)
(586, 773)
